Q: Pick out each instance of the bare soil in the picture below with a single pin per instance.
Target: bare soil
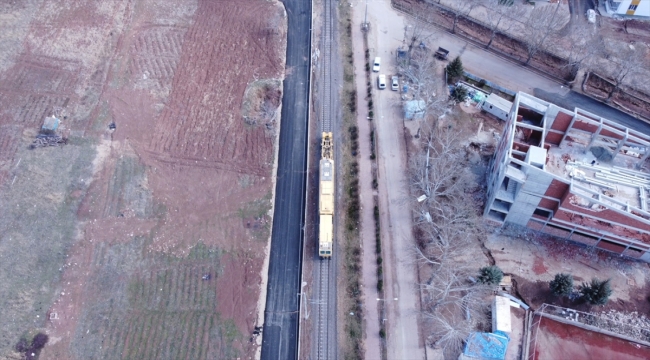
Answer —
(147, 240)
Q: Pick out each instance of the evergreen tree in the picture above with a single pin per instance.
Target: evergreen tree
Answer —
(455, 68)
(459, 94)
(596, 292)
(562, 285)
(490, 275)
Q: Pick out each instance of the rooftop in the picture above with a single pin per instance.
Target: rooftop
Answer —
(605, 163)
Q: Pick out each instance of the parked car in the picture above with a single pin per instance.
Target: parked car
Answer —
(375, 65)
(394, 83)
(591, 16)
(381, 81)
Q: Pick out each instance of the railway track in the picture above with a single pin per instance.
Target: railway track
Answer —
(326, 300)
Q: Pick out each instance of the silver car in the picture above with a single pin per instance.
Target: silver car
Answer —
(394, 83)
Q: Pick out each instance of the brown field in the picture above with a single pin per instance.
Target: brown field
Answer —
(104, 242)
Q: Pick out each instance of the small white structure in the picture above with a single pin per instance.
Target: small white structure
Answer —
(497, 106)
(501, 314)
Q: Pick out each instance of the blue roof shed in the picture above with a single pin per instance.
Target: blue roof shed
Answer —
(487, 346)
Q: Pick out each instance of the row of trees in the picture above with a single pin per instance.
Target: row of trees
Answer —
(596, 292)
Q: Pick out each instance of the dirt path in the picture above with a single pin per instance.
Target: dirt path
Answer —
(400, 295)
(372, 343)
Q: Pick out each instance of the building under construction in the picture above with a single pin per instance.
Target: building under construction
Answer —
(572, 174)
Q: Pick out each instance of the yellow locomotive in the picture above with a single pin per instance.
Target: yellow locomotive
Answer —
(326, 197)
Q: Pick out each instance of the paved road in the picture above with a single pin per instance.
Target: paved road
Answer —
(573, 99)
(280, 333)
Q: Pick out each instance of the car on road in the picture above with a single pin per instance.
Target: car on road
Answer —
(381, 81)
(375, 65)
(394, 83)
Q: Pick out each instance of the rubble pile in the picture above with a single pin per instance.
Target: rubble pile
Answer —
(632, 324)
(48, 140)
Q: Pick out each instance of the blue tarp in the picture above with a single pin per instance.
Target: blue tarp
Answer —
(51, 123)
(487, 346)
(414, 109)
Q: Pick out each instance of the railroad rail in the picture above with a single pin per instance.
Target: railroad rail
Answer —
(326, 297)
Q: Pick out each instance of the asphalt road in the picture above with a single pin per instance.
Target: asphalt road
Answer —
(281, 317)
(573, 99)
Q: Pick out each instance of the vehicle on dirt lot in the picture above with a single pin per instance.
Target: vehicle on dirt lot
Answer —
(375, 65)
(381, 81)
(591, 16)
(394, 83)
(326, 198)
(441, 53)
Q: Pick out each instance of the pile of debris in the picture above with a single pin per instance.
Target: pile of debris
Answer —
(43, 140)
(632, 324)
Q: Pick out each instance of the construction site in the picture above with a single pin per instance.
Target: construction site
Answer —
(574, 175)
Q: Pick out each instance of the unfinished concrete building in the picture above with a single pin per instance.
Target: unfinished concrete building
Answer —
(572, 174)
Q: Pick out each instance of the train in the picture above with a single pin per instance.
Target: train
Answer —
(326, 198)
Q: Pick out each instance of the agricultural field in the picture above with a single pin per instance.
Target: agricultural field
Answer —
(145, 235)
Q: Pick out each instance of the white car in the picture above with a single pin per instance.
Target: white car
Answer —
(591, 16)
(375, 65)
(394, 83)
(381, 81)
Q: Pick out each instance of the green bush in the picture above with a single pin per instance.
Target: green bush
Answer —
(490, 275)
(562, 285)
(596, 292)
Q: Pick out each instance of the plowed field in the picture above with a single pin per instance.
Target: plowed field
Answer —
(144, 239)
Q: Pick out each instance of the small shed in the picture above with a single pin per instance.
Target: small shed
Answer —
(414, 109)
(486, 346)
(51, 123)
(501, 315)
(497, 106)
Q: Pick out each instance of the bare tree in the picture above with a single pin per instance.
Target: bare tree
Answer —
(496, 12)
(582, 45)
(452, 303)
(462, 8)
(627, 63)
(418, 31)
(543, 22)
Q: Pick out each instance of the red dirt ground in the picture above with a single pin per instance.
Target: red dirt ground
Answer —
(555, 340)
(181, 187)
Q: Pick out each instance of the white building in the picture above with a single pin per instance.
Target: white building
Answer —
(628, 7)
(497, 106)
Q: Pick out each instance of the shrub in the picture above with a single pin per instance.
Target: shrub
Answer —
(596, 292)
(562, 285)
(481, 83)
(490, 275)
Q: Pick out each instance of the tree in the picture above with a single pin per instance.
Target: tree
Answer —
(543, 22)
(455, 68)
(462, 8)
(498, 10)
(490, 275)
(460, 94)
(596, 292)
(562, 285)
(418, 31)
(583, 44)
(627, 63)
(39, 341)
